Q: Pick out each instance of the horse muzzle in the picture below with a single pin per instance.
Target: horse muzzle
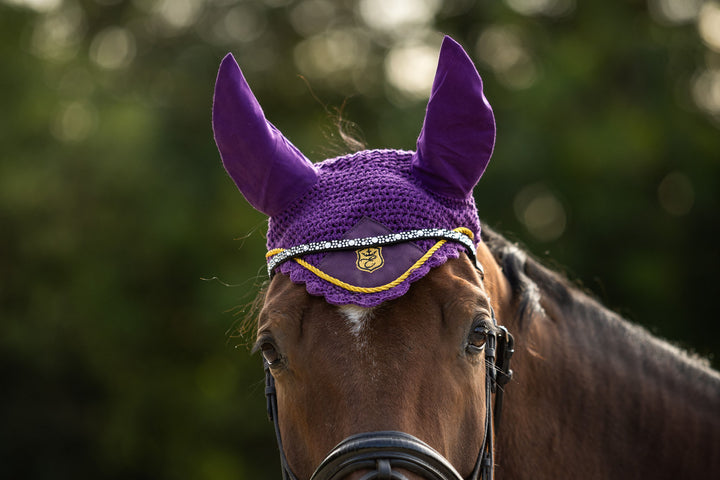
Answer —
(385, 456)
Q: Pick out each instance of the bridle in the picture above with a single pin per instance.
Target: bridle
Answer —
(382, 453)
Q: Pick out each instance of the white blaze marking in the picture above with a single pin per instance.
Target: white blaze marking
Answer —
(357, 316)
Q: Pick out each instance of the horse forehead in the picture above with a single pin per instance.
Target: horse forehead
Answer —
(450, 285)
(454, 281)
(284, 301)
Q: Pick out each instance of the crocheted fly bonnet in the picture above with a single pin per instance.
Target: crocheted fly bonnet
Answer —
(360, 228)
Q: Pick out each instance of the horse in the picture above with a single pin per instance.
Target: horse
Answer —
(391, 318)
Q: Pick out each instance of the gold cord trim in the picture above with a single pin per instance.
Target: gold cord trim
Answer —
(353, 288)
(381, 288)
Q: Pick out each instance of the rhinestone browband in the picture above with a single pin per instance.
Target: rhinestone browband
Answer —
(281, 256)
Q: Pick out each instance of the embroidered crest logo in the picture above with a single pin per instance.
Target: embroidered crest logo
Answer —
(369, 259)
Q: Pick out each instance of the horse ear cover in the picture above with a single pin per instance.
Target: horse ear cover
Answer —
(365, 194)
(458, 134)
(269, 170)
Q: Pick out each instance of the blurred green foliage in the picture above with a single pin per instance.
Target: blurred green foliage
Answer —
(127, 256)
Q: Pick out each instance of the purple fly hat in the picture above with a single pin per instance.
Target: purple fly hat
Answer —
(360, 228)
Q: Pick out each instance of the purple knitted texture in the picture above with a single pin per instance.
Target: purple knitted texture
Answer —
(375, 184)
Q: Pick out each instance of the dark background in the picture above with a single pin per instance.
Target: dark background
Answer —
(127, 255)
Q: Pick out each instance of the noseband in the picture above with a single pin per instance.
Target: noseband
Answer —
(382, 454)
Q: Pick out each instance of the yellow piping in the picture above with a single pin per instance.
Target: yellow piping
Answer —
(381, 288)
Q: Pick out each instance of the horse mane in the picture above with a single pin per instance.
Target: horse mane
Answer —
(531, 282)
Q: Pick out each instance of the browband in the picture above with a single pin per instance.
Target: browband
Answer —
(460, 235)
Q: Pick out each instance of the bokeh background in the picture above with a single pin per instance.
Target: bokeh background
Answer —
(127, 257)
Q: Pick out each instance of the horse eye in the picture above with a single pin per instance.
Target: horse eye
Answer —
(476, 339)
(270, 354)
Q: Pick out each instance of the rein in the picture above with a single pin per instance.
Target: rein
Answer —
(382, 453)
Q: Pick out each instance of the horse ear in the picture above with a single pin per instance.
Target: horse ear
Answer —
(458, 134)
(269, 170)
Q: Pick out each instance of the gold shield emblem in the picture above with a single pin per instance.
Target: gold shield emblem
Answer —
(369, 259)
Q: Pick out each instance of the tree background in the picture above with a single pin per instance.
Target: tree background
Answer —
(127, 255)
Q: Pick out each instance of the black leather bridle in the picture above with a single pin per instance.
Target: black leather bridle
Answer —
(382, 453)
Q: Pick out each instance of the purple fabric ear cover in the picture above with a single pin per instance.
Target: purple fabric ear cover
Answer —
(269, 170)
(458, 135)
(366, 193)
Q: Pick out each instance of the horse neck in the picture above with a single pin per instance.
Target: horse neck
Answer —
(594, 396)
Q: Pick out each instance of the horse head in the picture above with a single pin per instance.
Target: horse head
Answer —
(415, 365)
(378, 330)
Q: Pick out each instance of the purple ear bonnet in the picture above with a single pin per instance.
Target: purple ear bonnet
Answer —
(360, 228)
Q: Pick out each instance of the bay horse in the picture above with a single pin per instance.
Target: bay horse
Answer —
(390, 319)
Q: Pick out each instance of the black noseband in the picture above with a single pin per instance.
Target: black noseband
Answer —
(381, 454)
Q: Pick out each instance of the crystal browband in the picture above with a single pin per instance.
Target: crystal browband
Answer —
(460, 235)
